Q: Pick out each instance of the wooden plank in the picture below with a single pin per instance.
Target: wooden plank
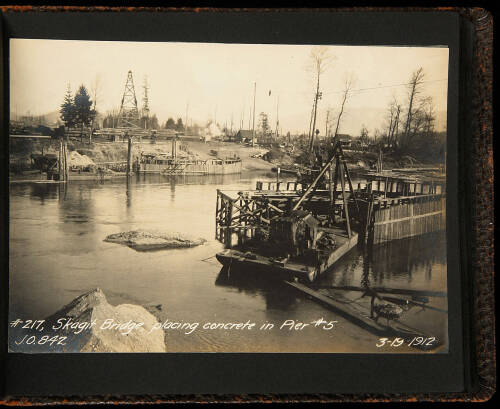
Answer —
(384, 290)
(408, 218)
(343, 309)
(356, 313)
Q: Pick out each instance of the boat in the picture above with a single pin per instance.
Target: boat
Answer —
(291, 235)
(169, 165)
(174, 164)
(309, 260)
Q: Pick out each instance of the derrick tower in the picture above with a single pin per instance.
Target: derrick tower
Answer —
(129, 114)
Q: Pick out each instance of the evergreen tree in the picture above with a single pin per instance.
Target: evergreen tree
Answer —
(170, 124)
(179, 127)
(67, 110)
(83, 111)
(153, 122)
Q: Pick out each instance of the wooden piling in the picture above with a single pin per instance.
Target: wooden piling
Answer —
(129, 156)
(346, 210)
(63, 161)
(66, 165)
(418, 216)
(60, 160)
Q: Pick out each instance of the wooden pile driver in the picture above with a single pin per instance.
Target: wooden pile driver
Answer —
(254, 211)
(337, 167)
(291, 233)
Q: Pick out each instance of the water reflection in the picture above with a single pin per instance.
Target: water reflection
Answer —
(78, 204)
(178, 180)
(128, 193)
(44, 191)
(409, 257)
(276, 294)
(418, 262)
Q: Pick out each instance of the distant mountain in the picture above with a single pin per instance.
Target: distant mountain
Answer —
(52, 117)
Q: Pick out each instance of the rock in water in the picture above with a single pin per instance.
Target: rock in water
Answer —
(144, 240)
(92, 307)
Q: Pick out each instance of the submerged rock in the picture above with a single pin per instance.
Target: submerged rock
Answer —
(144, 240)
(90, 324)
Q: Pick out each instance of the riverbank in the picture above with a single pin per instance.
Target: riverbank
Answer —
(104, 152)
(252, 158)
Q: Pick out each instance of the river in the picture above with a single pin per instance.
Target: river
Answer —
(57, 252)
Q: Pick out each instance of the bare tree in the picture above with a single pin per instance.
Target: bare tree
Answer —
(329, 115)
(394, 111)
(391, 120)
(319, 60)
(348, 83)
(395, 127)
(95, 90)
(429, 118)
(363, 136)
(414, 89)
(421, 119)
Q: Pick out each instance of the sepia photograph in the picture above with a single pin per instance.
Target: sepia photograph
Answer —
(174, 197)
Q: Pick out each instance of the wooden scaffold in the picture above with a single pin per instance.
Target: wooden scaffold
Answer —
(246, 213)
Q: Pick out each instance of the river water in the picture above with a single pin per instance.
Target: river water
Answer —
(57, 252)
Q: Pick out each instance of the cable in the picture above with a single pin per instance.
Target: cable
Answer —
(383, 86)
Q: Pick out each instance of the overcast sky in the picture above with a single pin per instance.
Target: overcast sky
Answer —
(218, 79)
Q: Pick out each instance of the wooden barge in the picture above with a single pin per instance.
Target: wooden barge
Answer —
(331, 219)
(304, 266)
(177, 166)
(174, 165)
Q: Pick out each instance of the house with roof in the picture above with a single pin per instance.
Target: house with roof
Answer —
(344, 139)
(243, 136)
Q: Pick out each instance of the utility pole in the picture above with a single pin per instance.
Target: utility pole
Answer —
(326, 126)
(145, 99)
(277, 117)
(186, 123)
(316, 98)
(253, 123)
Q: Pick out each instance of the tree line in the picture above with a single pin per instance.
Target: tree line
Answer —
(110, 120)
(145, 122)
(410, 125)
